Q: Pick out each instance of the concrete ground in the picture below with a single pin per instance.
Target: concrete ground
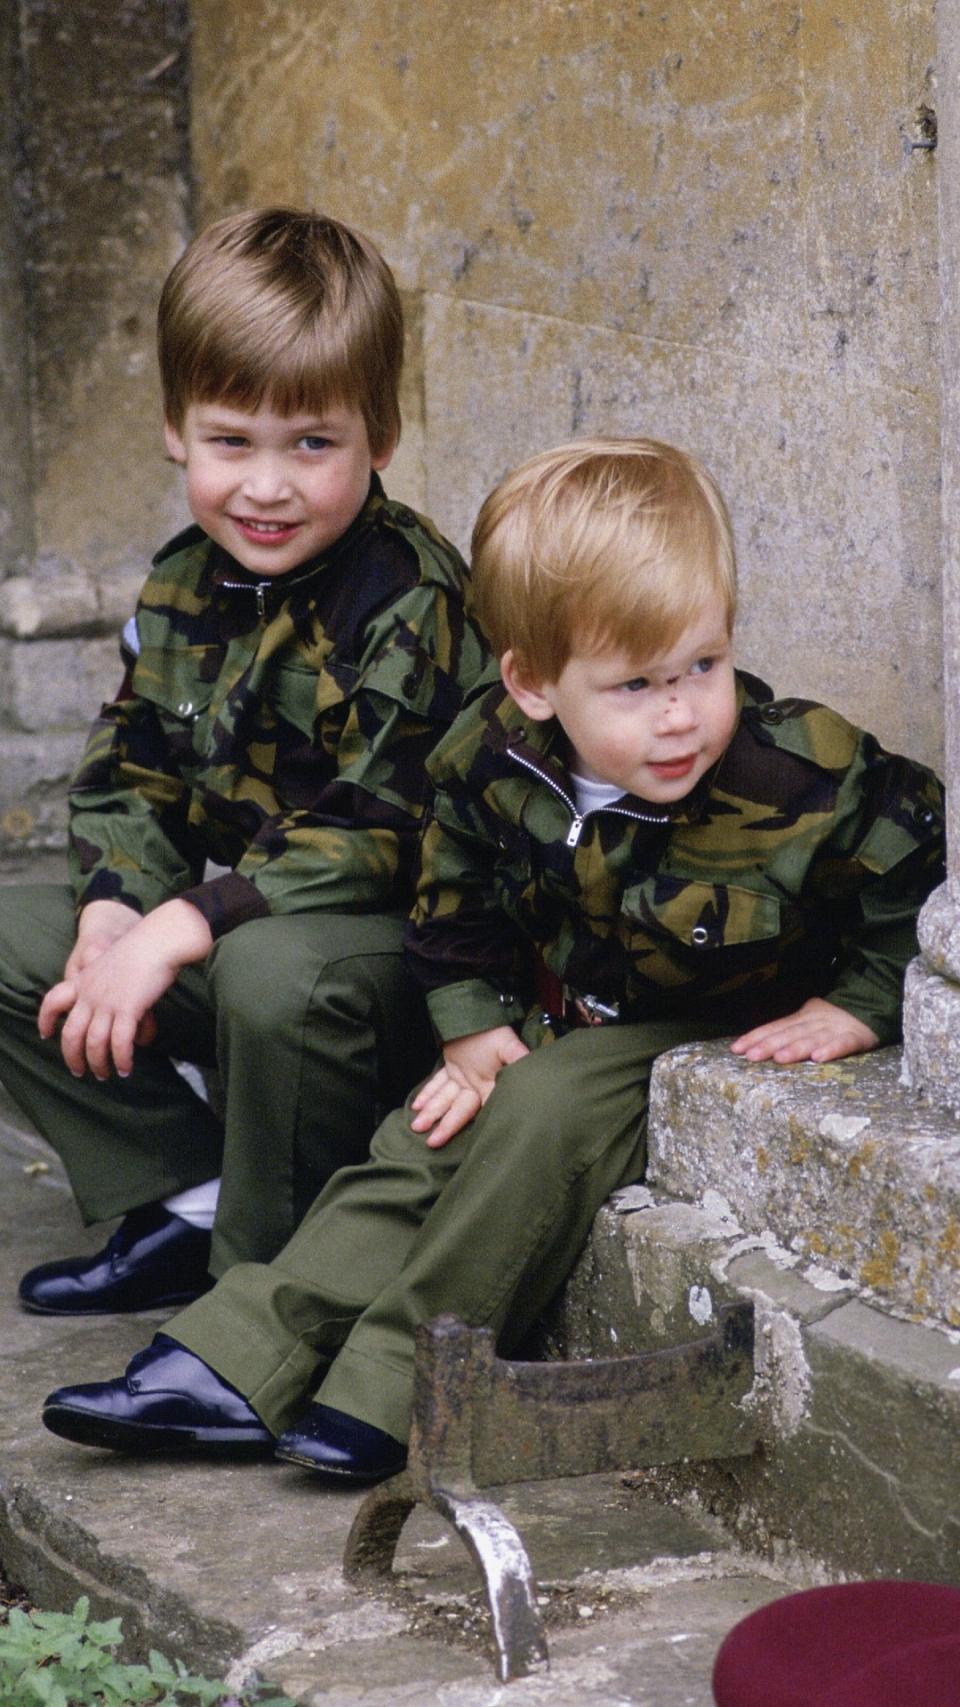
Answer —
(237, 1568)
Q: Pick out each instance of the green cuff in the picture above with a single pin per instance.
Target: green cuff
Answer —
(457, 1010)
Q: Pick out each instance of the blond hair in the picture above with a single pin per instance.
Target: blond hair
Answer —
(284, 308)
(603, 542)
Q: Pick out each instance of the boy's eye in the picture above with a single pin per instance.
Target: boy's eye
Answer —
(232, 441)
(313, 441)
(636, 684)
(703, 666)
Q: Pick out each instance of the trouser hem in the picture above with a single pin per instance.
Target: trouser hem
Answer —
(370, 1389)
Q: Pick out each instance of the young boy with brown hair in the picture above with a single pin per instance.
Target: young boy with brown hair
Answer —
(633, 846)
(294, 657)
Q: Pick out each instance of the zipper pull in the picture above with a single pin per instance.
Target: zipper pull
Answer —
(261, 600)
(573, 835)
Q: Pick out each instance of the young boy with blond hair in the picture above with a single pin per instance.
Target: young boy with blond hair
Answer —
(633, 846)
(244, 819)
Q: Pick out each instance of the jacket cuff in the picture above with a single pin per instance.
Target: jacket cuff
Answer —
(472, 1005)
(226, 902)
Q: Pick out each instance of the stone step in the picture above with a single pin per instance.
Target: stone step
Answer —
(842, 1163)
(829, 1197)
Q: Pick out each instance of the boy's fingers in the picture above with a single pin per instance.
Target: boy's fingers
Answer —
(57, 1001)
(457, 1117)
(73, 1038)
(96, 1045)
(432, 1108)
(121, 1044)
(430, 1088)
(781, 1046)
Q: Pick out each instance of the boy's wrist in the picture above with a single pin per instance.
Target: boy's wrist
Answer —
(179, 933)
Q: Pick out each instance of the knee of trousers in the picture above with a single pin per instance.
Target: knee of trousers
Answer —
(270, 973)
(38, 929)
(544, 1097)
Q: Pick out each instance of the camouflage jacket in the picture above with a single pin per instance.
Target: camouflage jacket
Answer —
(796, 867)
(278, 728)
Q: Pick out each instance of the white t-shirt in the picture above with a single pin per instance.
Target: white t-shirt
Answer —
(590, 796)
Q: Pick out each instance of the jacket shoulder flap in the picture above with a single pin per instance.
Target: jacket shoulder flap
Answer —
(806, 730)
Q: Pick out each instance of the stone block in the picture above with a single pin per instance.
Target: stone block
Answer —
(62, 599)
(16, 510)
(868, 1477)
(104, 138)
(50, 684)
(931, 1019)
(33, 792)
(931, 1004)
(869, 197)
(840, 1163)
(649, 1276)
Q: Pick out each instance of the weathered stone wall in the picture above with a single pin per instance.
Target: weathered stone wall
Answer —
(708, 223)
(16, 510)
(103, 145)
(93, 199)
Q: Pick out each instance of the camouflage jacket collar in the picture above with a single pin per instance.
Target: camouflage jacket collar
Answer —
(226, 574)
(539, 748)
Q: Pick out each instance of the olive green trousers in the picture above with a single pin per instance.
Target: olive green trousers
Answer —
(315, 1030)
(487, 1227)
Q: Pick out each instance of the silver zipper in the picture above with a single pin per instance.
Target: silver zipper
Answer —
(260, 591)
(580, 818)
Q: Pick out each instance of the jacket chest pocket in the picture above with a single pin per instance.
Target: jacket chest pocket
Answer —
(690, 920)
(302, 697)
(180, 682)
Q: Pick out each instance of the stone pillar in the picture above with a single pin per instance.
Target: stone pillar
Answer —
(16, 508)
(94, 192)
(932, 1004)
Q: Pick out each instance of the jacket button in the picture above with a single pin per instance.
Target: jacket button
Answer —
(699, 936)
(773, 714)
(924, 816)
(405, 517)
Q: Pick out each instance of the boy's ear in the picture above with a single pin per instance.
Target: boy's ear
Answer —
(381, 458)
(525, 688)
(176, 449)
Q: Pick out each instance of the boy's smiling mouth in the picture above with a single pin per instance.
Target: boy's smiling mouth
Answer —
(668, 769)
(263, 530)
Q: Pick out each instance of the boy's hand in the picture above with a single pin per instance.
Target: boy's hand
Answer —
(819, 1031)
(107, 1000)
(100, 925)
(459, 1090)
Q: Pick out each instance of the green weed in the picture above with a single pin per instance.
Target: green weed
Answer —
(68, 1659)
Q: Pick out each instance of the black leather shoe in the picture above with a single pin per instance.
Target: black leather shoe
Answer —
(169, 1400)
(329, 1440)
(154, 1259)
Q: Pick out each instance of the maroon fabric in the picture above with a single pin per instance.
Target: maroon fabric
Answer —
(919, 1673)
(850, 1645)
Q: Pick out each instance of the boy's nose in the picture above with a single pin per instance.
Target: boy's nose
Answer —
(678, 712)
(266, 481)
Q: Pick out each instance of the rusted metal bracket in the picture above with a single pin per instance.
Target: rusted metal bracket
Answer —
(481, 1421)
